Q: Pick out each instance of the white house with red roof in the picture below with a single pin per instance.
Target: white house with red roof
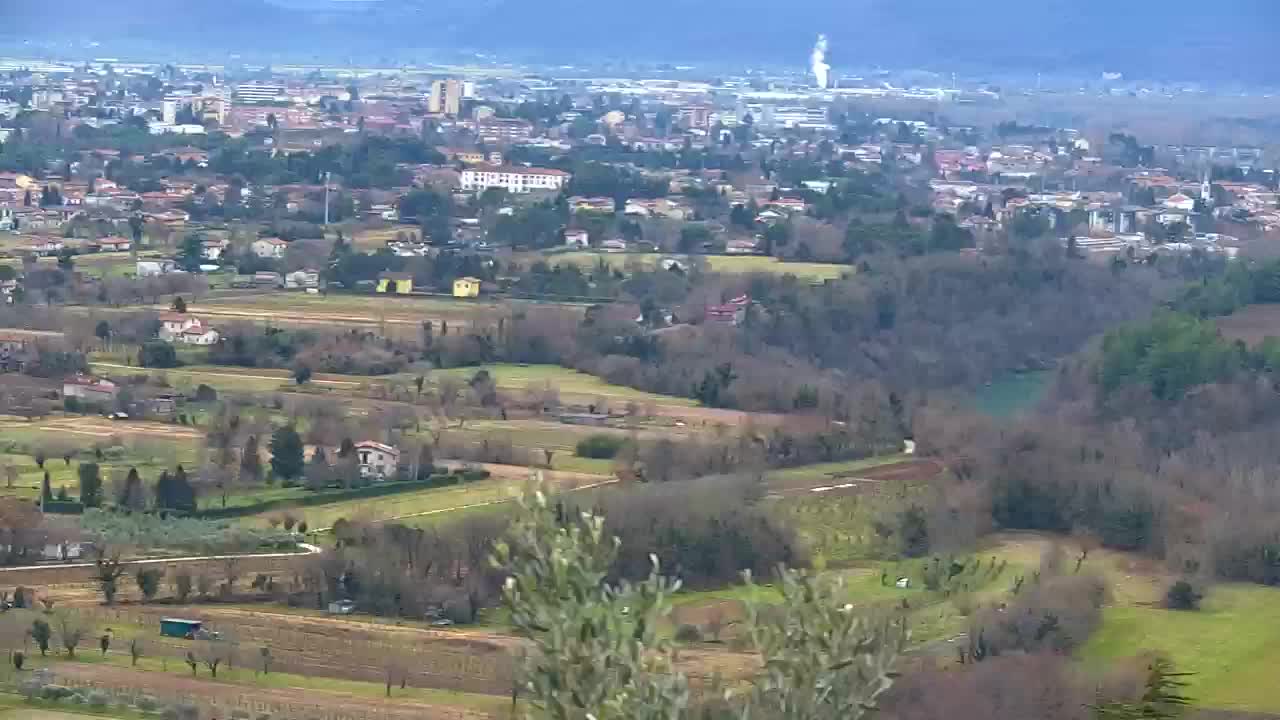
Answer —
(89, 389)
(377, 460)
(269, 247)
(577, 238)
(186, 329)
(213, 249)
(114, 244)
(1179, 201)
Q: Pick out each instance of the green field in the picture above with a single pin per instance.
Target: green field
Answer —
(239, 676)
(232, 379)
(421, 503)
(932, 614)
(149, 455)
(567, 381)
(98, 265)
(508, 377)
(1231, 645)
(364, 308)
(732, 264)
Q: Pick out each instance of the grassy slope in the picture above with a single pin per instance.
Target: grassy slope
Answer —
(509, 377)
(370, 308)
(717, 263)
(149, 456)
(1232, 645)
(839, 527)
(426, 501)
(570, 382)
(245, 677)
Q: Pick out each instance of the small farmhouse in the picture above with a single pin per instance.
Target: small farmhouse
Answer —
(377, 461)
(466, 287)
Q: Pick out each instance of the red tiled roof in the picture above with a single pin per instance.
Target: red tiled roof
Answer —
(516, 170)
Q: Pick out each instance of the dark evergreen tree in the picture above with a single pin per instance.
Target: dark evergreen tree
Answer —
(250, 461)
(90, 485)
(287, 460)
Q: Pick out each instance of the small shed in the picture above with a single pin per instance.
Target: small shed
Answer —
(466, 287)
(342, 607)
(399, 283)
(179, 628)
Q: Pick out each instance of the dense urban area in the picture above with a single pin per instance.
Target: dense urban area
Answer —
(494, 390)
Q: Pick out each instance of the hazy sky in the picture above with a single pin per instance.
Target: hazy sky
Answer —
(1164, 38)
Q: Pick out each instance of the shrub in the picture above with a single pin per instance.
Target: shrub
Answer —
(473, 475)
(1182, 596)
(71, 404)
(98, 700)
(157, 354)
(688, 634)
(600, 447)
(147, 703)
(31, 688)
(55, 692)
(459, 610)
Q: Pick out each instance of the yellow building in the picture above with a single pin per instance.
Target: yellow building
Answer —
(466, 287)
(395, 282)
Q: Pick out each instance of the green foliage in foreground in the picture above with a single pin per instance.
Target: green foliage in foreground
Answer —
(597, 652)
(1161, 697)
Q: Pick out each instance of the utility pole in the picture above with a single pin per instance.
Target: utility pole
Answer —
(326, 199)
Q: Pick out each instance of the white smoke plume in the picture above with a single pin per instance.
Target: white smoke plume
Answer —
(818, 62)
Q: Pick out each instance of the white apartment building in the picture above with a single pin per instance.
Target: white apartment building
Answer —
(513, 179)
(446, 97)
(795, 117)
(259, 92)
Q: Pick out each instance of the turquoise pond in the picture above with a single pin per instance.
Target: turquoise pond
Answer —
(1012, 394)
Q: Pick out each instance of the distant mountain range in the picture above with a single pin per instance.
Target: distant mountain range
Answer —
(1167, 39)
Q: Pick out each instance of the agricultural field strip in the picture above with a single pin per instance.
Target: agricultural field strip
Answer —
(473, 506)
(97, 427)
(197, 371)
(273, 315)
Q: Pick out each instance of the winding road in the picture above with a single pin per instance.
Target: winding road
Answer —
(308, 549)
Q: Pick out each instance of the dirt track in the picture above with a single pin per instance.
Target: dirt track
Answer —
(103, 428)
(853, 481)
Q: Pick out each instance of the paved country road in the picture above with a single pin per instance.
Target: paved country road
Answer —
(308, 549)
